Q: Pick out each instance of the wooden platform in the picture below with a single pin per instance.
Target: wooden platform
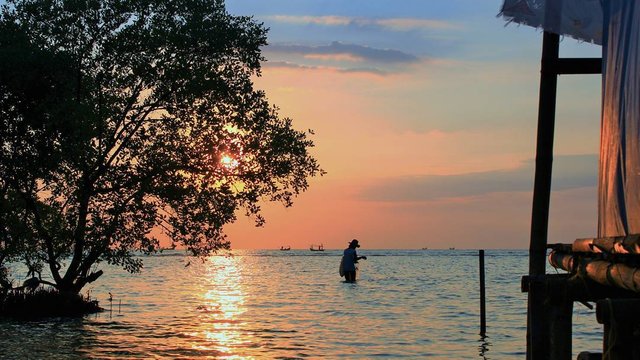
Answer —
(605, 271)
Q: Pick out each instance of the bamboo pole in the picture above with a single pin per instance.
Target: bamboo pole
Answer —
(564, 261)
(629, 244)
(604, 272)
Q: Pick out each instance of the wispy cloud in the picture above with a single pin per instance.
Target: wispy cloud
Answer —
(290, 65)
(351, 51)
(334, 57)
(317, 20)
(396, 24)
(287, 65)
(570, 172)
(404, 24)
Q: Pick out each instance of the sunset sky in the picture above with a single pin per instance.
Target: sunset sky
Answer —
(424, 115)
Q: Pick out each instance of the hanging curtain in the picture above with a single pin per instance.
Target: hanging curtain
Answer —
(619, 173)
(616, 25)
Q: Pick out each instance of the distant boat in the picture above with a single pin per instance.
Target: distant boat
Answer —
(425, 248)
(285, 248)
(318, 248)
(452, 248)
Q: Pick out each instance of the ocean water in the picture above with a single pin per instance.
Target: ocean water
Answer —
(274, 304)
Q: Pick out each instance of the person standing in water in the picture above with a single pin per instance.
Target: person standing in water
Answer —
(350, 259)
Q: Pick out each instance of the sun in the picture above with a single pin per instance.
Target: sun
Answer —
(229, 162)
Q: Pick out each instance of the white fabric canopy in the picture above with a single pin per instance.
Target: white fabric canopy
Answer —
(619, 175)
(580, 19)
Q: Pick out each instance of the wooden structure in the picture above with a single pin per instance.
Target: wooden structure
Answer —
(539, 321)
(601, 270)
(604, 270)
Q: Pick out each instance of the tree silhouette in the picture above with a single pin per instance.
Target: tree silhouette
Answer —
(123, 120)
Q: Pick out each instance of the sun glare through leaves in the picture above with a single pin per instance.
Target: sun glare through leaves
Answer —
(229, 162)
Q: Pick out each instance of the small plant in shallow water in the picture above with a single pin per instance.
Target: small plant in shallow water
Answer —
(46, 302)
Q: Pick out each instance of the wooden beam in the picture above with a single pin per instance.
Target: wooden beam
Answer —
(576, 287)
(574, 66)
(544, 156)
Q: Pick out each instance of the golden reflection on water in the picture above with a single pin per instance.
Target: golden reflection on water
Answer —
(223, 299)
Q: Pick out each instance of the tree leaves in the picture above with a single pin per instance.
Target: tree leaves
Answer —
(117, 123)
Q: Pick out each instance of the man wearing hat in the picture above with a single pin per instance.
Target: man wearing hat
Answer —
(349, 260)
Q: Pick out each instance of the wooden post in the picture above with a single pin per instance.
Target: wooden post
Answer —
(586, 355)
(560, 330)
(620, 319)
(537, 335)
(483, 312)
(560, 312)
(560, 291)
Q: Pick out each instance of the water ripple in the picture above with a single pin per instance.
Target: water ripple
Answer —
(292, 305)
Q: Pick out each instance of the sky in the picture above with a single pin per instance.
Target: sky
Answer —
(425, 116)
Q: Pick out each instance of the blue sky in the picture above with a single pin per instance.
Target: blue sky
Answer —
(425, 115)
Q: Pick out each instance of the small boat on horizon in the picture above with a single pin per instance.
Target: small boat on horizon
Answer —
(285, 248)
(318, 248)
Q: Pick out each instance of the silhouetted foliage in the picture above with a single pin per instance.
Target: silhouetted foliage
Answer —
(46, 303)
(127, 120)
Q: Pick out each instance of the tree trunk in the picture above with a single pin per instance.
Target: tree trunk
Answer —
(76, 283)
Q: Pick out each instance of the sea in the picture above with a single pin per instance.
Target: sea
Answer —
(272, 304)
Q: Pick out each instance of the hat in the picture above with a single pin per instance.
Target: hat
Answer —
(354, 243)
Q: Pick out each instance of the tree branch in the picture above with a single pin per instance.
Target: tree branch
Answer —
(48, 240)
